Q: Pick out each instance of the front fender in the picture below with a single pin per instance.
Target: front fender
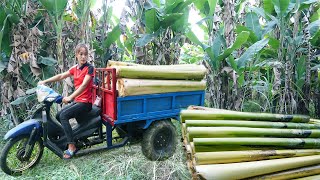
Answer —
(23, 129)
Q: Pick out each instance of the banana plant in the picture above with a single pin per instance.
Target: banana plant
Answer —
(47, 67)
(55, 9)
(313, 28)
(10, 13)
(165, 25)
(237, 64)
(107, 43)
(80, 14)
(2, 32)
(286, 46)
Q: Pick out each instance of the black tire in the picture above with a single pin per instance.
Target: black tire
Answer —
(159, 140)
(12, 155)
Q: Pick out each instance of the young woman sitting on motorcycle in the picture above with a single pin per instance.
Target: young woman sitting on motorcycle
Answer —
(82, 74)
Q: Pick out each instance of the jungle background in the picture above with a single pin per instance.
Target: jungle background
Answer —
(261, 56)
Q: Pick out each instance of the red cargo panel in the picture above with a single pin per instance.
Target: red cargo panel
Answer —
(107, 90)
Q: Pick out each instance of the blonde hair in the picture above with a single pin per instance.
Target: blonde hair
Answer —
(81, 45)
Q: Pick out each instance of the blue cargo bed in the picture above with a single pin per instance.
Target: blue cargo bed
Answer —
(155, 106)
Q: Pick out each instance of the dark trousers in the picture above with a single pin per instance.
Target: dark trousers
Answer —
(73, 110)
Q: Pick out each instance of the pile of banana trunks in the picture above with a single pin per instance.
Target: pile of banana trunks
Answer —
(223, 144)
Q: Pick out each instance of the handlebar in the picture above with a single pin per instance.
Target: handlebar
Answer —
(58, 100)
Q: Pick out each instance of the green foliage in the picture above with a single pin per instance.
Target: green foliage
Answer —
(1, 34)
(274, 43)
(252, 37)
(181, 24)
(200, 5)
(49, 61)
(170, 19)
(300, 75)
(152, 22)
(47, 65)
(163, 29)
(212, 5)
(251, 106)
(315, 40)
(23, 100)
(13, 17)
(2, 66)
(10, 14)
(112, 36)
(157, 2)
(315, 16)
(193, 38)
(146, 39)
(174, 15)
(191, 54)
(55, 7)
(252, 23)
(307, 3)
(314, 29)
(268, 6)
(281, 7)
(27, 74)
(240, 39)
(250, 52)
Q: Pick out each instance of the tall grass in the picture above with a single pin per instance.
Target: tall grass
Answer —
(126, 162)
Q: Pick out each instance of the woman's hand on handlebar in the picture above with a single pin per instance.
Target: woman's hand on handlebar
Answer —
(66, 99)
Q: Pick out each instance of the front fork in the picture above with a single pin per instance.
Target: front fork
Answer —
(30, 143)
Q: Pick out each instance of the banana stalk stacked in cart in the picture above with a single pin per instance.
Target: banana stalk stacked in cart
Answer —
(135, 79)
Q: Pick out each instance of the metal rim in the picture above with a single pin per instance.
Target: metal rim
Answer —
(15, 160)
(162, 140)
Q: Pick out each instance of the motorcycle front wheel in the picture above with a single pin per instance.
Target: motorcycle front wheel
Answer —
(13, 160)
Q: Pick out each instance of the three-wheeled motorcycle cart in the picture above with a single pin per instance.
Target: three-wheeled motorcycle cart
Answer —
(147, 116)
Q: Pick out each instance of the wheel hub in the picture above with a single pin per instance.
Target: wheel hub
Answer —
(162, 140)
(20, 154)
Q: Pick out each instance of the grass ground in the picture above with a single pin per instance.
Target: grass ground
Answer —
(126, 162)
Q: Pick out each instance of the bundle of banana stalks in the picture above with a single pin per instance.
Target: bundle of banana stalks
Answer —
(223, 144)
(134, 79)
(130, 87)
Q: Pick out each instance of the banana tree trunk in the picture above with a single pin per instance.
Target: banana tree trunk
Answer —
(222, 157)
(216, 148)
(129, 87)
(215, 132)
(221, 115)
(315, 177)
(174, 72)
(228, 94)
(255, 168)
(305, 104)
(293, 174)
(315, 121)
(253, 124)
(276, 142)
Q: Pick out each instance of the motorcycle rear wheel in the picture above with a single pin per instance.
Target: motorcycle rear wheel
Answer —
(12, 161)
